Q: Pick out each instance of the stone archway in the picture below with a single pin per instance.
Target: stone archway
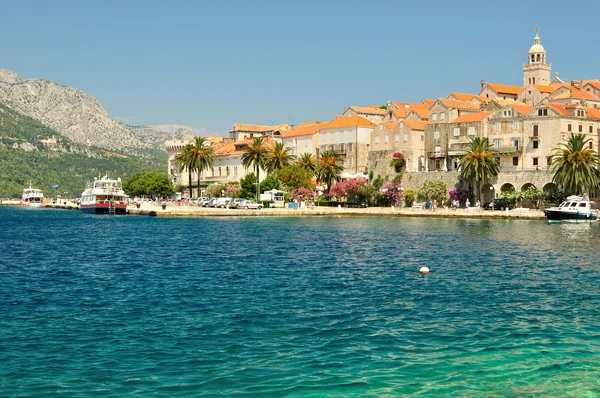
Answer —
(507, 187)
(549, 187)
(487, 193)
(526, 202)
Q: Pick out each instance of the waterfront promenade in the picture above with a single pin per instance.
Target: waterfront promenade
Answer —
(173, 210)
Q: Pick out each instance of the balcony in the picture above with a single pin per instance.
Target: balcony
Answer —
(458, 140)
(506, 150)
(438, 154)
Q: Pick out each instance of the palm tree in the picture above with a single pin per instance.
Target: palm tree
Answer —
(308, 162)
(575, 165)
(478, 163)
(256, 155)
(203, 156)
(329, 168)
(278, 158)
(186, 160)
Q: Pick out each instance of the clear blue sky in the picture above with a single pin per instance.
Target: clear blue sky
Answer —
(209, 64)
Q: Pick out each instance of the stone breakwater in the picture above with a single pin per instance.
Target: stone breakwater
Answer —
(194, 211)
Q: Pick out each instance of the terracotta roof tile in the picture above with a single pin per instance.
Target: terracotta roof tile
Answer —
(522, 108)
(463, 96)
(422, 113)
(401, 113)
(308, 128)
(471, 117)
(236, 147)
(547, 89)
(576, 93)
(457, 104)
(390, 125)
(592, 113)
(368, 110)
(415, 125)
(428, 102)
(558, 108)
(506, 89)
(352, 121)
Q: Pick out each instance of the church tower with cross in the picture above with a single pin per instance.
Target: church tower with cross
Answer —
(536, 70)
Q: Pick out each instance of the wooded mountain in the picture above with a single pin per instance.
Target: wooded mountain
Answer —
(78, 116)
(33, 152)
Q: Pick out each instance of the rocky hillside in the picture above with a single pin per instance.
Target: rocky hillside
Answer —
(76, 115)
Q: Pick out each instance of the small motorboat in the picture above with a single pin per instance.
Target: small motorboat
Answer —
(575, 208)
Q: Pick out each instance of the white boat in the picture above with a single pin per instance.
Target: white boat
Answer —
(32, 197)
(575, 208)
(104, 196)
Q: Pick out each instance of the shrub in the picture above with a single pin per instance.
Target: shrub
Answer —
(434, 190)
(303, 195)
(398, 161)
(409, 197)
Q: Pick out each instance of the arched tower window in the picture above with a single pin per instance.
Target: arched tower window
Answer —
(539, 58)
(532, 58)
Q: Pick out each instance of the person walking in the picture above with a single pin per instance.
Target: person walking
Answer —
(467, 203)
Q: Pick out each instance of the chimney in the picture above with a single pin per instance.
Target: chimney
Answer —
(483, 83)
(576, 83)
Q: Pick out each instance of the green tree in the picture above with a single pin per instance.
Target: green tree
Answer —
(409, 197)
(329, 169)
(202, 155)
(308, 162)
(433, 190)
(294, 176)
(478, 163)
(255, 155)
(575, 165)
(150, 183)
(248, 185)
(278, 158)
(185, 160)
(269, 183)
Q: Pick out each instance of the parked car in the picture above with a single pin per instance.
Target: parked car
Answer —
(250, 204)
(497, 204)
(355, 204)
(204, 202)
(235, 203)
(212, 202)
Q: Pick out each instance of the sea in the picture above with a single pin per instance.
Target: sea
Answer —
(120, 306)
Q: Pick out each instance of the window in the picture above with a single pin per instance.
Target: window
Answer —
(434, 117)
(516, 144)
(235, 171)
(436, 135)
(591, 129)
(342, 148)
(422, 138)
(590, 145)
(536, 144)
(593, 194)
(350, 160)
(349, 147)
(535, 130)
(385, 139)
(456, 131)
(515, 126)
(507, 113)
(376, 139)
(497, 144)
(397, 138)
(515, 161)
(569, 127)
(535, 161)
(471, 130)
(438, 148)
(405, 137)
(442, 116)
(497, 126)
(498, 161)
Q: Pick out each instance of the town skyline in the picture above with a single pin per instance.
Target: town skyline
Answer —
(303, 81)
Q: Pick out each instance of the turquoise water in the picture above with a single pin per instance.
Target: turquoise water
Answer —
(119, 306)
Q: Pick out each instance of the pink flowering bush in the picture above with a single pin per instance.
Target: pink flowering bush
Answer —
(456, 194)
(398, 161)
(351, 188)
(393, 192)
(303, 194)
(233, 190)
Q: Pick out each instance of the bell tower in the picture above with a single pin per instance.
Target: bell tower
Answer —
(536, 71)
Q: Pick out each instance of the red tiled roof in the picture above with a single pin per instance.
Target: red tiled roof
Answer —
(303, 129)
(506, 89)
(592, 113)
(352, 121)
(457, 104)
(559, 108)
(369, 110)
(415, 125)
(523, 109)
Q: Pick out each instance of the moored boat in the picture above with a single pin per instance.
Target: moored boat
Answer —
(104, 196)
(575, 208)
(32, 197)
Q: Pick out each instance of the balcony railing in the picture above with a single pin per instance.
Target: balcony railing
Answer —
(437, 154)
(506, 150)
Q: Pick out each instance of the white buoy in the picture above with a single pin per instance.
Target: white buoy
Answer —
(424, 270)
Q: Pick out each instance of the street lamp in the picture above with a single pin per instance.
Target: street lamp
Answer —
(400, 189)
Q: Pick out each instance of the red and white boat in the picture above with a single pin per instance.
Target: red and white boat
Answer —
(104, 196)
(32, 197)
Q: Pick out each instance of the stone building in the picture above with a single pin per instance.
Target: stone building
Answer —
(406, 137)
(373, 113)
(303, 138)
(242, 131)
(536, 71)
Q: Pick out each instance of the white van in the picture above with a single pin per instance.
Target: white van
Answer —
(221, 202)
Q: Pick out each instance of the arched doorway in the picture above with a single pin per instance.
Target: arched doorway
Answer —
(526, 202)
(507, 187)
(487, 193)
(549, 187)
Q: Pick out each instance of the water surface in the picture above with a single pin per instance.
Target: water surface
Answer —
(119, 306)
